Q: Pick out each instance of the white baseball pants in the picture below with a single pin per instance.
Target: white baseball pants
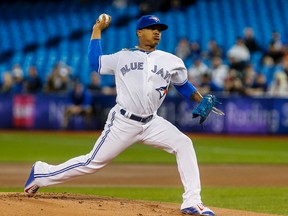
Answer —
(119, 133)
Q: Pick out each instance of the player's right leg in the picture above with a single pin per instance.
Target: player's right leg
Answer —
(117, 135)
(162, 134)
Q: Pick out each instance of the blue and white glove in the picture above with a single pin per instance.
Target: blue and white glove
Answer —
(205, 107)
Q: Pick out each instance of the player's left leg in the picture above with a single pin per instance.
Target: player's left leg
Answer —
(162, 134)
(117, 135)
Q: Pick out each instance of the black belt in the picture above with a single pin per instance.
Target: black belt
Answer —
(137, 118)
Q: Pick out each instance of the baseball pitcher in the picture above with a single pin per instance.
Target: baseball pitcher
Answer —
(143, 75)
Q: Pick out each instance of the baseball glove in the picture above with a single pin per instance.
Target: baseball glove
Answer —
(205, 107)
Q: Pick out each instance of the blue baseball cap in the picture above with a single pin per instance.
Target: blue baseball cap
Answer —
(150, 20)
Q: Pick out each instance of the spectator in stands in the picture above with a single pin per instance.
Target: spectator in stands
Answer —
(279, 86)
(79, 103)
(205, 86)
(232, 83)
(33, 83)
(18, 79)
(213, 50)
(195, 49)
(218, 73)
(259, 86)
(238, 55)
(250, 41)
(94, 86)
(7, 83)
(196, 70)
(253, 83)
(249, 75)
(268, 69)
(276, 48)
(59, 80)
(183, 49)
(284, 64)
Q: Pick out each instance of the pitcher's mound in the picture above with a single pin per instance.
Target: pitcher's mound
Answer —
(59, 204)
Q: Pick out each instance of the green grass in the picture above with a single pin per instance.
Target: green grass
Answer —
(242, 150)
(28, 147)
(259, 199)
(58, 147)
(271, 200)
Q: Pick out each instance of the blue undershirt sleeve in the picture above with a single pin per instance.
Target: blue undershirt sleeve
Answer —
(187, 89)
(94, 53)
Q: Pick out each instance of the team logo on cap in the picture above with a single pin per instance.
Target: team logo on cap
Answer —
(154, 18)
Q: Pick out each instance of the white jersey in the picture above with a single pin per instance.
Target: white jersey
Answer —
(143, 79)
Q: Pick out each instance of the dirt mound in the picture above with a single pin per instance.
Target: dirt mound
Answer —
(59, 204)
(47, 204)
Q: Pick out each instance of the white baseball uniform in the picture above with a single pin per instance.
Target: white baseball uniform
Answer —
(142, 81)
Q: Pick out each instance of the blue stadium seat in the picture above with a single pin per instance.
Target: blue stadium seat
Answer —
(41, 22)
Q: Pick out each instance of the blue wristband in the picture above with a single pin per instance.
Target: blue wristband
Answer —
(187, 89)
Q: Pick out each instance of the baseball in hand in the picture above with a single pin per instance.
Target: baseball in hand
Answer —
(107, 18)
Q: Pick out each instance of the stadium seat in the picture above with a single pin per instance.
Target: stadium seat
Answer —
(56, 31)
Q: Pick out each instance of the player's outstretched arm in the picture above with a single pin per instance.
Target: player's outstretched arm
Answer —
(95, 48)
